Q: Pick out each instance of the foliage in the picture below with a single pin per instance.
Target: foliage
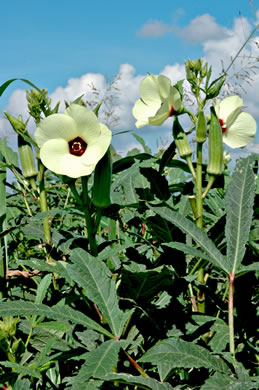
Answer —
(138, 293)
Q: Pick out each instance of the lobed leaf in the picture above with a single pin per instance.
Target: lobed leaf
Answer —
(174, 353)
(198, 235)
(20, 369)
(239, 208)
(22, 308)
(139, 381)
(92, 275)
(224, 382)
(98, 362)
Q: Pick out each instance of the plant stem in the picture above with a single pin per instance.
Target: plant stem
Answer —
(241, 48)
(88, 220)
(199, 222)
(3, 241)
(43, 203)
(199, 202)
(231, 313)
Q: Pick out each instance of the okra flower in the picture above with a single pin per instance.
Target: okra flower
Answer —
(238, 128)
(158, 101)
(72, 143)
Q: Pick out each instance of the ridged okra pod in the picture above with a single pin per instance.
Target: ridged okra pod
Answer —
(215, 165)
(102, 181)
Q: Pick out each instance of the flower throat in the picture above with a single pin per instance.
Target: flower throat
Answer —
(77, 146)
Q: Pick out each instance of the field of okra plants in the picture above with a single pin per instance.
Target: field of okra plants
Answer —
(136, 271)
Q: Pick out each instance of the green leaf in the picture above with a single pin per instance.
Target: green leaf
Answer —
(218, 328)
(10, 157)
(158, 183)
(55, 326)
(167, 156)
(128, 182)
(239, 209)
(43, 356)
(126, 162)
(142, 142)
(220, 381)
(8, 82)
(174, 352)
(42, 288)
(139, 381)
(22, 384)
(19, 369)
(198, 235)
(22, 308)
(188, 250)
(92, 275)
(98, 362)
(3, 243)
(58, 267)
(144, 286)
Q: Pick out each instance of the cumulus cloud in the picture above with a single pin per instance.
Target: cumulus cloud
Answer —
(200, 29)
(154, 28)
(218, 44)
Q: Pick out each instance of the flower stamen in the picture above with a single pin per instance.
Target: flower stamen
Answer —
(77, 146)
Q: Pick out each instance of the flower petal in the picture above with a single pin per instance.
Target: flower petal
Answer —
(241, 132)
(55, 126)
(87, 124)
(96, 150)
(142, 112)
(154, 88)
(55, 156)
(161, 115)
(174, 98)
(229, 109)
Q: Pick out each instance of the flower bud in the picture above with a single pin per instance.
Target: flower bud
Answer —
(215, 166)
(181, 140)
(201, 128)
(214, 89)
(190, 75)
(204, 70)
(197, 65)
(17, 124)
(102, 181)
(26, 158)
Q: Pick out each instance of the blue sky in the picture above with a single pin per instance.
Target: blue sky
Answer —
(54, 41)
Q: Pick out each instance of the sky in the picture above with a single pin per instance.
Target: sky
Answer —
(77, 47)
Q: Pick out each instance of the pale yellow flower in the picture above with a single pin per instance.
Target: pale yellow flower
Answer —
(158, 101)
(72, 143)
(238, 127)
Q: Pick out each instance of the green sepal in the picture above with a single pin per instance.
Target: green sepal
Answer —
(215, 87)
(181, 140)
(201, 129)
(102, 181)
(26, 158)
(216, 164)
(17, 124)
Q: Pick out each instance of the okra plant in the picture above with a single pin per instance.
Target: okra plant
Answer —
(119, 272)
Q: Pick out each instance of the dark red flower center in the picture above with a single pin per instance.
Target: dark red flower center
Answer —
(223, 125)
(77, 146)
(172, 111)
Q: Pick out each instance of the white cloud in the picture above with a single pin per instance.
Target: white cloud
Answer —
(201, 29)
(154, 28)
(87, 85)
(94, 86)
(226, 47)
